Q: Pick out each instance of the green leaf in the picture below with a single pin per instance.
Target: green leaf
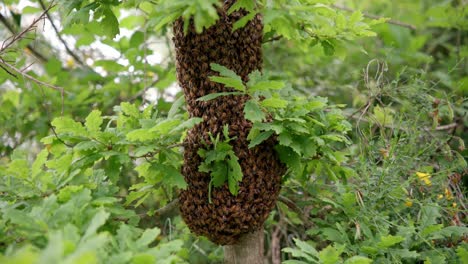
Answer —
(212, 96)
(388, 241)
(328, 47)
(187, 124)
(86, 145)
(39, 162)
(130, 109)
(253, 112)
(358, 260)
(248, 5)
(68, 125)
(148, 236)
(141, 135)
(243, 21)
(462, 254)
(290, 158)
(331, 254)
(266, 86)
(94, 121)
(219, 174)
(306, 247)
(110, 24)
(176, 107)
(223, 71)
(260, 138)
(165, 126)
(229, 82)
(137, 39)
(172, 176)
(98, 220)
(234, 174)
(274, 103)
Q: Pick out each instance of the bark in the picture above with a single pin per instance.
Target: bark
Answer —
(247, 250)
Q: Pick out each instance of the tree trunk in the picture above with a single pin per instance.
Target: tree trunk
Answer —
(248, 250)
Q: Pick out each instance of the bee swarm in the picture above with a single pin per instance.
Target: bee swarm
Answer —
(228, 216)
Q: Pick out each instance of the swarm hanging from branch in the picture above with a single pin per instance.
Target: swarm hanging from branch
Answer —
(228, 217)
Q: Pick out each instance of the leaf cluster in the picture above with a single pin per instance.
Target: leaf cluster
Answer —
(222, 163)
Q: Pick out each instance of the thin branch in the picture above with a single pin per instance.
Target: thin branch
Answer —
(58, 138)
(36, 53)
(39, 82)
(444, 127)
(17, 36)
(391, 21)
(69, 51)
(168, 208)
(143, 91)
(293, 207)
(7, 71)
(272, 39)
(29, 77)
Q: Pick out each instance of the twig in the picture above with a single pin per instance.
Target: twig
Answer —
(172, 205)
(292, 206)
(36, 53)
(7, 71)
(58, 138)
(143, 91)
(27, 76)
(69, 51)
(9, 41)
(39, 82)
(272, 39)
(444, 127)
(391, 21)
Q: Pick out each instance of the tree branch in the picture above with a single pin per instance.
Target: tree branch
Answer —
(293, 207)
(171, 206)
(39, 82)
(69, 51)
(9, 41)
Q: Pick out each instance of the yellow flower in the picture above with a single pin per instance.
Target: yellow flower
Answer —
(448, 194)
(409, 203)
(440, 196)
(70, 63)
(454, 205)
(425, 177)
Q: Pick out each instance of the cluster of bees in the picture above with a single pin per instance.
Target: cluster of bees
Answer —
(228, 217)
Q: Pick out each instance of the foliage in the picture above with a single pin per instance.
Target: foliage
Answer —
(369, 113)
(307, 129)
(222, 163)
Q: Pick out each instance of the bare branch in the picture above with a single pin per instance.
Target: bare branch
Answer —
(10, 28)
(22, 34)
